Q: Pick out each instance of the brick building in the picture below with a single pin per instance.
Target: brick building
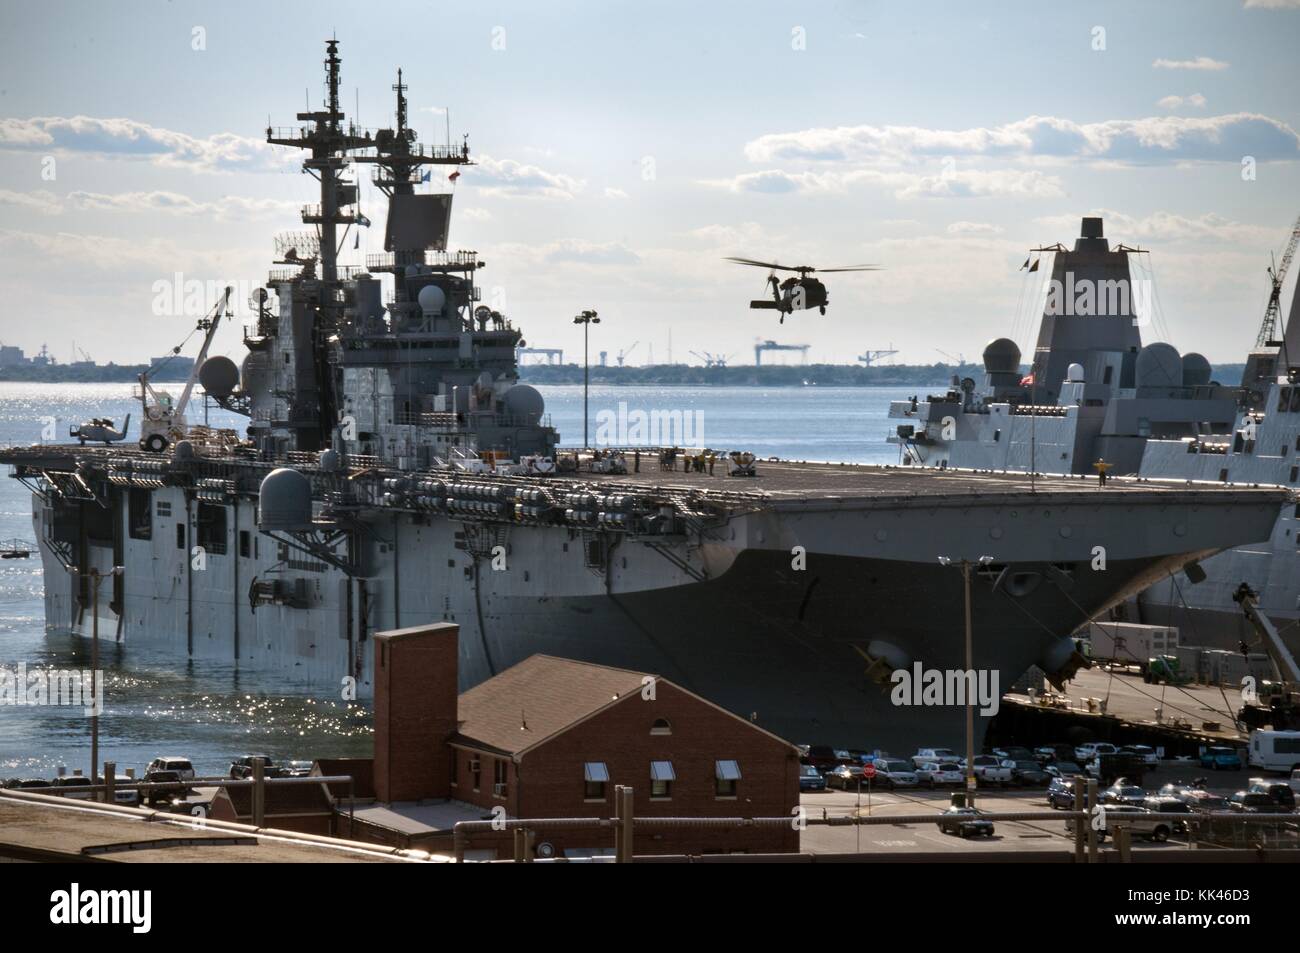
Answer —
(552, 738)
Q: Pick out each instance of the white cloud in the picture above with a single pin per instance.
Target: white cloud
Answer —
(611, 193)
(966, 183)
(231, 207)
(974, 228)
(1174, 102)
(1137, 141)
(511, 179)
(130, 139)
(1272, 4)
(47, 203)
(1200, 63)
(1168, 227)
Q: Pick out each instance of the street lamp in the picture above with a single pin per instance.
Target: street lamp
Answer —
(586, 319)
(95, 577)
(970, 668)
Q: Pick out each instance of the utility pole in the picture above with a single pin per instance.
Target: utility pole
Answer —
(966, 565)
(95, 577)
(586, 319)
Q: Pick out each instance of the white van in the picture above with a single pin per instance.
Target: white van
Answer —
(1274, 750)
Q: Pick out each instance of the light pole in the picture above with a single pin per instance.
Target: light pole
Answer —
(970, 669)
(95, 577)
(586, 319)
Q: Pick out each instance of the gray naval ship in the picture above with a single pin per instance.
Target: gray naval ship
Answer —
(394, 471)
(1096, 398)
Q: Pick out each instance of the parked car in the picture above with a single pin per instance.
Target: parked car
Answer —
(1221, 759)
(822, 756)
(1203, 802)
(1278, 791)
(1052, 754)
(242, 768)
(1028, 773)
(1108, 767)
(895, 773)
(27, 784)
(1123, 793)
(965, 822)
(1145, 752)
(296, 769)
(74, 786)
(932, 773)
(1170, 806)
(1064, 769)
(181, 766)
(1086, 752)
(1255, 802)
(1143, 823)
(159, 797)
(810, 779)
(990, 769)
(940, 755)
(1013, 753)
(1060, 794)
(846, 776)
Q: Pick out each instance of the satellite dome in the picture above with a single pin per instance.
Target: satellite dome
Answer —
(526, 402)
(219, 376)
(329, 461)
(1002, 356)
(431, 299)
(184, 450)
(284, 501)
(1196, 370)
(1074, 374)
(1158, 365)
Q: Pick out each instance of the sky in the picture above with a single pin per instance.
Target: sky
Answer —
(624, 149)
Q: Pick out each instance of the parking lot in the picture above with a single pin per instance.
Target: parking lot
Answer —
(1010, 835)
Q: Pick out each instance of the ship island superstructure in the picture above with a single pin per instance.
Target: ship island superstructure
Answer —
(394, 471)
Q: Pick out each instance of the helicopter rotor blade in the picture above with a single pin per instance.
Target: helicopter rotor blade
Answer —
(854, 268)
(761, 264)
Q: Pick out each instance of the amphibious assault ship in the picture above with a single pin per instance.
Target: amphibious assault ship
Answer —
(395, 471)
(1096, 397)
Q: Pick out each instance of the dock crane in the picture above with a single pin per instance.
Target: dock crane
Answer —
(713, 360)
(869, 358)
(1278, 703)
(164, 420)
(958, 359)
(1268, 328)
(625, 353)
(761, 346)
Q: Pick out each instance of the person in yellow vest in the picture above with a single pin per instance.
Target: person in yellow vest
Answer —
(1101, 466)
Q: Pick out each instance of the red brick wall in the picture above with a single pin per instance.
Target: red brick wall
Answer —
(415, 710)
(550, 778)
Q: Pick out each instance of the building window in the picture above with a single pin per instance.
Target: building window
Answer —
(245, 544)
(454, 767)
(212, 528)
(1295, 471)
(726, 775)
(661, 727)
(662, 777)
(500, 775)
(595, 776)
(180, 535)
(476, 769)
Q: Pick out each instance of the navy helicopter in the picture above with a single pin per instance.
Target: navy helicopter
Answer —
(795, 294)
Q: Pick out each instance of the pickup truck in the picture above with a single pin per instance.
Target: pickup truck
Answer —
(990, 769)
(1144, 823)
(928, 755)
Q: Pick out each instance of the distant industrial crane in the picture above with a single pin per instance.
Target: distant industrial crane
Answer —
(1277, 274)
(870, 357)
(713, 360)
(762, 346)
(960, 359)
(548, 355)
(626, 352)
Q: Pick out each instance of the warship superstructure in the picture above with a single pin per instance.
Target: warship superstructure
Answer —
(395, 471)
(1095, 397)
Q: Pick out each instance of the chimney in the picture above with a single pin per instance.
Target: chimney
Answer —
(415, 710)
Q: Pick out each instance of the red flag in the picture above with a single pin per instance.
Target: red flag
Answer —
(454, 176)
(1027, 380)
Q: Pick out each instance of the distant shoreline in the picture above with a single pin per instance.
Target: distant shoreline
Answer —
(777, 375)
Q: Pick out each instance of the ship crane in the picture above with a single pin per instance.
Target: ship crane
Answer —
(164, 421)
(1277, 275)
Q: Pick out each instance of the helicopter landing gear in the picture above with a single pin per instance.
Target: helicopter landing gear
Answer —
(154, 443)
(822, 309)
